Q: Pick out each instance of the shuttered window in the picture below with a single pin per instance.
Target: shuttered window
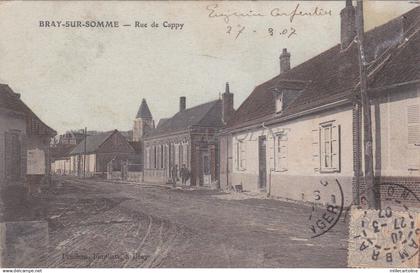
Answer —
(413, 120)
(281, 152)
(315, 149)
(240, 150)
(329, 154)
(413, 141)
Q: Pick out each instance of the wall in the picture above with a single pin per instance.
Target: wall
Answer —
(115, 147)
(394, 155)
(171, 145)
(397, 156)
(9, 121)
(300, 176)
(40, 145)
(61, 166)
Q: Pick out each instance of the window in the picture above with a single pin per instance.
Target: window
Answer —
(147, 158)
(161, 156)
(154, 157)
(185, 155)
(281, 152)
(329, 147)
(279, 102)
(240, 155)
(180, 155)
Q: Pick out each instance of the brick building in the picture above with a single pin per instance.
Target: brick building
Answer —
(190, 139)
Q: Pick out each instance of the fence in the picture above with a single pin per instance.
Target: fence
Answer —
(124, 171)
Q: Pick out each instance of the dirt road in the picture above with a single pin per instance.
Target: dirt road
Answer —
(101, 224)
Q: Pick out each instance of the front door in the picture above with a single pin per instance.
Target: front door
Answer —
(262, 147)
(206, 169)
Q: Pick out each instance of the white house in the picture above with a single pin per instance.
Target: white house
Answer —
(303, 128)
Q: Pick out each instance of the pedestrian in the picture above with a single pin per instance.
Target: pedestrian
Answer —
(184, 174)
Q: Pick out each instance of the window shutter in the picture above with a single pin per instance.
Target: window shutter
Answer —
(283, 155)
(413, 141)
(335, 141)
(23, 151)
(237, 153)
(316, 149)
(413, 120)
(243, 154)
(8, 155)
(271, 151)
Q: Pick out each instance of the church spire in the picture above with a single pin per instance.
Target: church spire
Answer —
(144, 111)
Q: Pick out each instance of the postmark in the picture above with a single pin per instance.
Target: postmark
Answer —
(324, 218)
(388, 237)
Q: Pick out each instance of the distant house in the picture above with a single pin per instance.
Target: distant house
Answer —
(60, 159)
(61, 148)
(189, 139)
(91, 156)
(24, 142)
(304, 126)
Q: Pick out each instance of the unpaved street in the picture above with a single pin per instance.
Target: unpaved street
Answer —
(100, 224)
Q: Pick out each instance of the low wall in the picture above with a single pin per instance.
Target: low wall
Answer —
(135, 177)
(23, 244)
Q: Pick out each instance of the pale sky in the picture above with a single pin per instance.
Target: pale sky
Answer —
(77, 77)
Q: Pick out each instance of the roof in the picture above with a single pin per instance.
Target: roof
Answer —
(205, 115)
(136, 145)
(333, 75)
(93, 142)
(61, 151)
(144, 111)
(11, 100)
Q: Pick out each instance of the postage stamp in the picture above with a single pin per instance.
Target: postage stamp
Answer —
(390, 236)
(209, 134)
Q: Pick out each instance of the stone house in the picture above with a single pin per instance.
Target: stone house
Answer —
(24, 149)
(189, 139)
(303, 128)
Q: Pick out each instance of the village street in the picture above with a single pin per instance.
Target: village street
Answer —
(96, 223)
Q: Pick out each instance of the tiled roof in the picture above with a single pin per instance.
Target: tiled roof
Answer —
(206, 115)
(144, 111)
(11, 100)
(93, 142)
(61, 151)
(333, 74)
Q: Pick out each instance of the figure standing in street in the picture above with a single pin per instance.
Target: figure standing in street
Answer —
(185, 174)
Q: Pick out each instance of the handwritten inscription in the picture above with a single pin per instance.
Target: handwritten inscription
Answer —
(214, 11)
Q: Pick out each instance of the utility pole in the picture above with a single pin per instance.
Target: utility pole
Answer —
(367, 122)
(84, 154)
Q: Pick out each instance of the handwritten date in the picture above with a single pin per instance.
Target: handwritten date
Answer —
(236, 31)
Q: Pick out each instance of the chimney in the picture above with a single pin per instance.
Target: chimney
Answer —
(182, 103)
(227, 104)
(284, 61)
(348, 24)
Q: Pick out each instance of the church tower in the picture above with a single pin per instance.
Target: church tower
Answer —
(143, 122)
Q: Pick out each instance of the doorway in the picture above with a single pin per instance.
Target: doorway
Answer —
(262, 162)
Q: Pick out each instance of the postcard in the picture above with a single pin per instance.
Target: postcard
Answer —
(209, 134)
